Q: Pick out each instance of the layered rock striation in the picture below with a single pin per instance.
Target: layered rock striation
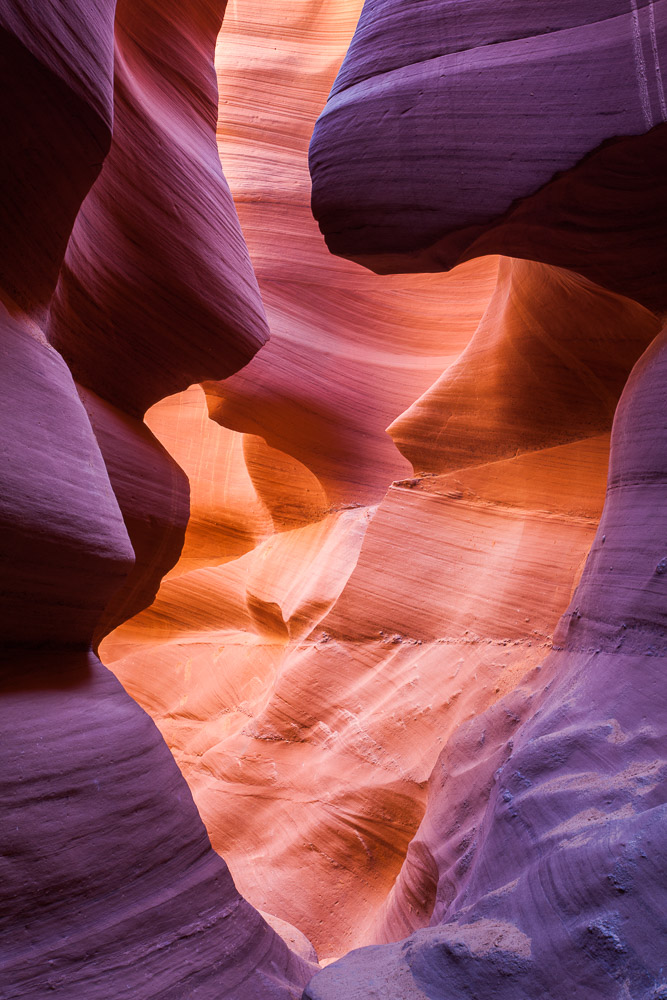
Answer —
(536, 869)
(453, 132)
(538, 865)
(385, 613)
(326, 632)
(110, 886)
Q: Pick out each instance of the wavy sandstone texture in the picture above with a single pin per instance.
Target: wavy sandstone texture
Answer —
(348, 351)
(365, 579)
(326, 633)
(536, 870)
(540, 861)
(109, 883)
(537, 134)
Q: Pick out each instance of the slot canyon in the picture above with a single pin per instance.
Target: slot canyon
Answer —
(333, 500)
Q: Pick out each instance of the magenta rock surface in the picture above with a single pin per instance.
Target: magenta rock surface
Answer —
(56, 113)
(109, 886)
(157, 290)
(450, 125)
(62, 555)
(540, 861)
(153, 494)
(456, 128)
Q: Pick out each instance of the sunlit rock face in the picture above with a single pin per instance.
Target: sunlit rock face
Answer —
(348, 351)
(453, 131)
(546, 366)
(110, 886)
(538, 863)
(307, 664)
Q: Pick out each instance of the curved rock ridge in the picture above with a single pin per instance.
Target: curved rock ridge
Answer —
(266, 536)
(547, 364)
(152, 492)
(440, 28)
(110, 886)
(539, 859)
(344, 647)
(227, 514)
(301, 664)
(62, 556)
(380, 342)
(73, 41)
(156, 290)
(360, 660)
(498, 112)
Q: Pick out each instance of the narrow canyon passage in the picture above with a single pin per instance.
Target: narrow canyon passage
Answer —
(338, 613)
(348, 461)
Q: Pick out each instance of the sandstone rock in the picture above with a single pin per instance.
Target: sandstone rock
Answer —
(157, 291)
(110, 886)
(546, 365)
(453, 132)
(152, 492)
(348, 351)
(63, 556)
(540, 853)
(56, 126)
(357, 660)
(297, 645)
(347, 651)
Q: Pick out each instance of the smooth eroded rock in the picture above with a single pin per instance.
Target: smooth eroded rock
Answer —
(456, 130)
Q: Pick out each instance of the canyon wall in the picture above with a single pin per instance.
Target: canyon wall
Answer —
(110, 886)
(538, 134)
(340, 619)
(380, 601)
(538, 868)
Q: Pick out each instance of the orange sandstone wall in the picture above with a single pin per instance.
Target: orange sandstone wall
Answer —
(348, 351)
(362, 579)
(307, 684)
